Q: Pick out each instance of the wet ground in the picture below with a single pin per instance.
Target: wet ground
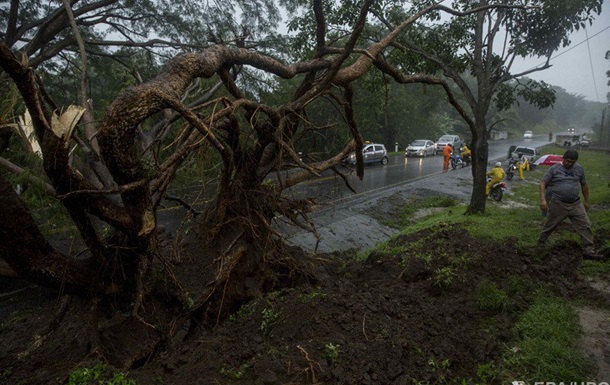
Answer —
(402, 317)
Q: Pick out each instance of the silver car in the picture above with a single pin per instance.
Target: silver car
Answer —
(421, 147)
(371, 152)
(453, 140)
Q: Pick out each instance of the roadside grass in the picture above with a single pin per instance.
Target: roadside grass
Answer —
(546, 335)
(520, 221)
(546, 344)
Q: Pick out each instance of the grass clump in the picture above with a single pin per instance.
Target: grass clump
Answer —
(409, 212)
(98, 375)
(546, 346)
(491, 298)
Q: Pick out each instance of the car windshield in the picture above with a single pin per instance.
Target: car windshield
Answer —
(525, 151)
(418, 143)
(445, 138)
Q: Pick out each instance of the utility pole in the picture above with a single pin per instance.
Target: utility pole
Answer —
(601, 127)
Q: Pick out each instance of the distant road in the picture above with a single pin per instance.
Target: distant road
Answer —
(399, 170)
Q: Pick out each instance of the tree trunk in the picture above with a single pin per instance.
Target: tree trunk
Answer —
(480, 154)
(29, 254)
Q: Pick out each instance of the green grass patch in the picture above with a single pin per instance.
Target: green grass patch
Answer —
(408, 213)
(546, 345)
(491, 298)
(98, 374)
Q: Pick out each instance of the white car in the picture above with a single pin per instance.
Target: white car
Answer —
(528, 135)
(530, 153)
(421, 147)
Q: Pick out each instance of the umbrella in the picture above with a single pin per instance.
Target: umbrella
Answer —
(548, 160)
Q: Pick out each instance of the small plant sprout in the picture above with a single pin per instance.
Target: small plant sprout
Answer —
(331, 351)
(269, 318)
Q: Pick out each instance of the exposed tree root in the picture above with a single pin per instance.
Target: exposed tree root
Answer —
(313, 366)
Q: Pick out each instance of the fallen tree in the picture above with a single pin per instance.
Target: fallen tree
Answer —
(241, 255)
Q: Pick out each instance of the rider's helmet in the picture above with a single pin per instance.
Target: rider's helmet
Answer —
(498, 164)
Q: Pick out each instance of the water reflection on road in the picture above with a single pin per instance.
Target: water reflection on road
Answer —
(417, 163)
(400, 169)
(330, 187)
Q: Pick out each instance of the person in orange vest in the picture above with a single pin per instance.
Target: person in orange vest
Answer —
(447, 150)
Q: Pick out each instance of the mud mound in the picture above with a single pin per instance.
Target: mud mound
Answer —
(431, 307)
(418, 313)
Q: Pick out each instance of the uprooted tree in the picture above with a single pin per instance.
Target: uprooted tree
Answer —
(248, 139)
(240, 253)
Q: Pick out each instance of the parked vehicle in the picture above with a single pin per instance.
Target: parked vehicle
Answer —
(571, 139)
(421, 147)
(456, 160)
(510, 151)
(453, 140)
(371, 153)
(528, 135)
(510, 169)
(467, 159)
(497, 190)
(530, 153)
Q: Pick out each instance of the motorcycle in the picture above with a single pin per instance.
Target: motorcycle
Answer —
(497, 190)
(456, 161)
(510, 169)
(467, 160)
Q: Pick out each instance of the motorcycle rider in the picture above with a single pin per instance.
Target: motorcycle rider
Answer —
(497, 174)
(465, 153)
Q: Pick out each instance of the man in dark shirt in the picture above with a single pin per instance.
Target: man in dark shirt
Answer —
(567, 179)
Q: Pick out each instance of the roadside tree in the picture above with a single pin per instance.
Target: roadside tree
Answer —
(484, 46)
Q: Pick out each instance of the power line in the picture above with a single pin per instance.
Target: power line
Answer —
(591, 64)
(582, 42)
(573, 46)
(589, 51)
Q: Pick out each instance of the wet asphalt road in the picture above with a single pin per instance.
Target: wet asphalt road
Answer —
(399, 170)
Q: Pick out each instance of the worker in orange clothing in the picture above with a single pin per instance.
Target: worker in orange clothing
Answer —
(447, 150)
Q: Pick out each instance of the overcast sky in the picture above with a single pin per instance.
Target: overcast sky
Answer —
(571, 68)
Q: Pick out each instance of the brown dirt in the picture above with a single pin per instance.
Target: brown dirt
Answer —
(409, 315)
